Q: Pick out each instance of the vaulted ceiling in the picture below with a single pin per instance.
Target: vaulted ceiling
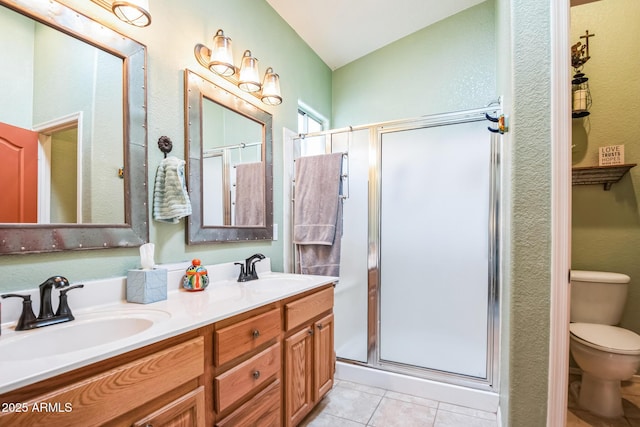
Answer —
(340, 31)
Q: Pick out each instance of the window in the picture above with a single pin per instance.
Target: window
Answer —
(308, 123)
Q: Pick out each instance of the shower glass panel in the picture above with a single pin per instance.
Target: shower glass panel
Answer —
(351, 295)
(350, 309)
(434, 247)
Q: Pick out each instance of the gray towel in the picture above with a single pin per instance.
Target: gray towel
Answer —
(318, 213)
(249, 194)
(170, 198)
(322, 260)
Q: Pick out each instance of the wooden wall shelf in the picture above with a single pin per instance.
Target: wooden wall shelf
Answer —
(606, 175)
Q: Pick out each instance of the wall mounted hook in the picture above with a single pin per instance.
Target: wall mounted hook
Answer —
(165, 145)
(502, 122)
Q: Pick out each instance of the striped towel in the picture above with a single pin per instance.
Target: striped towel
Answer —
(170, 198)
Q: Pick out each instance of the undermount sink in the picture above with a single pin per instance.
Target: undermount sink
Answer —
(276, 283)
(88, 330)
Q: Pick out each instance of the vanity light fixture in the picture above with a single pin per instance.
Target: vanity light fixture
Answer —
(221, 56)
(271, 88)
(219, 59)
(134, 12)
(249, 79)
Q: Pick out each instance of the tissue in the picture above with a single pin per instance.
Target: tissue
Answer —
(148, 284)
(146, 256)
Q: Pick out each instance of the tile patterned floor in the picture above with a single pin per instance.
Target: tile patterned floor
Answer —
(578, 417)
(354, 405)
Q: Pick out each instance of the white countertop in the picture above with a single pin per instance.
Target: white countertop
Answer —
(181, 312)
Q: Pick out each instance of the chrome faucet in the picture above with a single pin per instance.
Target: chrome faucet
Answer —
(46, 317)
(248, 270)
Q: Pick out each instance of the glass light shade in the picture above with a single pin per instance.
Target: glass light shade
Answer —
(134, 12)
(249, 79)
(271, 88)
(222, 55)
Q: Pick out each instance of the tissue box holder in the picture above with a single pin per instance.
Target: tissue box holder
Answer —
(147, 286)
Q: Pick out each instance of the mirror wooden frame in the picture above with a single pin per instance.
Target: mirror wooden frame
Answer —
(37, 238)
(196, 88)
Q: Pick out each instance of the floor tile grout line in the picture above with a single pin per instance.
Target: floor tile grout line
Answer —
(375, 410)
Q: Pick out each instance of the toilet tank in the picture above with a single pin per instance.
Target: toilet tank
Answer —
(598, 296)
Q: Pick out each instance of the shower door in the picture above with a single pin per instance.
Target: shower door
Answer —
(435, 248)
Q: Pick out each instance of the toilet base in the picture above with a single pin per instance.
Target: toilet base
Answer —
(601, 397)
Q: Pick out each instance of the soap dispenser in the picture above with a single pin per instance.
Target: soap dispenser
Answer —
(196, 277)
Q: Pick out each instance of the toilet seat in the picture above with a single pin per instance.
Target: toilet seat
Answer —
(612, 339)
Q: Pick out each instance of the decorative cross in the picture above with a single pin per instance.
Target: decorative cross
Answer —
(586, 42)
(580, 52)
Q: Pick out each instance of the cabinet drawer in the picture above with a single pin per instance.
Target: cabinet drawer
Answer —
(237, 339)
(304, 309)
(246, 377)
(261, 411)
(186, 411)
(103, 397)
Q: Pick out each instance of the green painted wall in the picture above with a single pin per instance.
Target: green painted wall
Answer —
(606, 224)
(524, 367)
(16, 75)
(447, 66)
(170, 40)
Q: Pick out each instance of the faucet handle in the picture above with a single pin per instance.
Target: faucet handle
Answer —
(63, 306)
(27, 316)
(242, 277)
(65, 290)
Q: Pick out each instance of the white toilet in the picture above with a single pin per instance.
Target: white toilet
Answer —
(606, 354)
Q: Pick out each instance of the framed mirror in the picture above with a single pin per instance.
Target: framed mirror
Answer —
(229, 145)
(72, 132)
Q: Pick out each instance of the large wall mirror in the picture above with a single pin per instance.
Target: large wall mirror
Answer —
(230, 165)
(72, 132)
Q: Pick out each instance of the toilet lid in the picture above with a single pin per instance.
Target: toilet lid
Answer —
(618, 340)
(599, 277)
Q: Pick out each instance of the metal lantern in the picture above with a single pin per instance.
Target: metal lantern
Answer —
(581, 99)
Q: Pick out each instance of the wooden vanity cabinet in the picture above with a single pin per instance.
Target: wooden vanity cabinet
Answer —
(309, 353)
(248, 369)
(275, 363)
(159, 385)
(264, 368)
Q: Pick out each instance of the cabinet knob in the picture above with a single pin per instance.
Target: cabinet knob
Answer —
(320, 326)
(255, 334)
(256, 375)
(310, 331)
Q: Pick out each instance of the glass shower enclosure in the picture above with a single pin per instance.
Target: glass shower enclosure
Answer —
(418, 289)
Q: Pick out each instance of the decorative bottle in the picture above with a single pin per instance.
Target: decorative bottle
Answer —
(196, 277)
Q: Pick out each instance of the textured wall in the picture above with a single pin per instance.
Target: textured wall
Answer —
(525, 370)
(170, 39)
(447, 66)
(606, 224)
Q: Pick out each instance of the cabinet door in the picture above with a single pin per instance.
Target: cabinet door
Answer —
(298, 375)
(324, 357)
(187, 411)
